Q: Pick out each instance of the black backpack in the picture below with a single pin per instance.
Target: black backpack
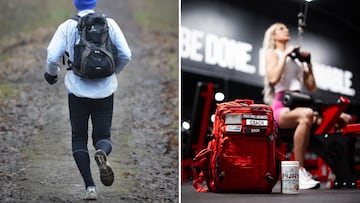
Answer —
(95, 56)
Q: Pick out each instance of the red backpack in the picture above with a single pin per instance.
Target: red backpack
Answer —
(241, 157)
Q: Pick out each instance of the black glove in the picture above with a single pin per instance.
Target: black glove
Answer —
(306, 58)
(301, 55)
(50, 78)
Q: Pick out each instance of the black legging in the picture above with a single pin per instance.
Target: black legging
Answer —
(100, 111)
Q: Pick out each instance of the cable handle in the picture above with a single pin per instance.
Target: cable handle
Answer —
(302, 22)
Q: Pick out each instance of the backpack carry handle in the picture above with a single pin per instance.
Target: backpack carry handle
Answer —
(244, 101)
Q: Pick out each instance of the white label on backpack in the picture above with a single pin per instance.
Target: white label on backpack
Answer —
(254, 122)
(264, 117)
(233, 119)
(233, 128)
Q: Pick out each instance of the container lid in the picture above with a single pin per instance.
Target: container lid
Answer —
(290, 163)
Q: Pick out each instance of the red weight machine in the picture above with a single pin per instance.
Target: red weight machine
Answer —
(335, 147)
(195, 139)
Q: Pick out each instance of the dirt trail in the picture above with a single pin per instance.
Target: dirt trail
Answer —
(36, 162)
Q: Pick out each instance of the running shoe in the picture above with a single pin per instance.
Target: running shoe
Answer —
(90, 193)
(306, 182)
(106, 173)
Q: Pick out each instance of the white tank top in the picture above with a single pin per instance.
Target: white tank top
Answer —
(292, 76)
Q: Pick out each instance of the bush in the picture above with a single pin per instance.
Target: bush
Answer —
(24, 15)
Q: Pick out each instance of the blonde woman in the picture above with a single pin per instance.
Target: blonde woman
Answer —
(283, 73)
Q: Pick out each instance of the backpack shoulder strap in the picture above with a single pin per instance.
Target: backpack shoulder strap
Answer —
(199, 170)
(76, 18)
(66, 54)
(69, 63)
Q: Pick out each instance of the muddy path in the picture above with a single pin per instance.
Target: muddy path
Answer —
(36, 163)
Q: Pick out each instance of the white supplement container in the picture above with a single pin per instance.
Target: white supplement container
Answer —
(290, 177)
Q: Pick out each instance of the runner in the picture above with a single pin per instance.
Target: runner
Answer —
(87, 97)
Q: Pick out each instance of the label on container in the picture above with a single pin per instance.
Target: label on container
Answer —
(290, 177)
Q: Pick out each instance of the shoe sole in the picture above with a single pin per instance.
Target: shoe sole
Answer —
(317, 186)
(106, 173)
(90, 197)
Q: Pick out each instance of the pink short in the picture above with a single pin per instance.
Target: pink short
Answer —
(277, 105)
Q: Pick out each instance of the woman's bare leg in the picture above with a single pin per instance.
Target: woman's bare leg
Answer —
(300, 118)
